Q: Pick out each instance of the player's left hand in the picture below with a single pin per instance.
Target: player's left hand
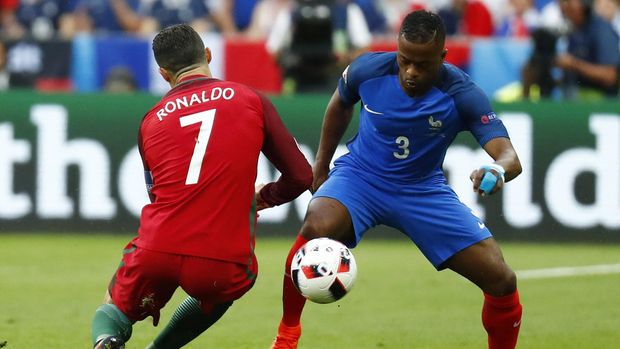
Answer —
(260, 203)
(487, 180)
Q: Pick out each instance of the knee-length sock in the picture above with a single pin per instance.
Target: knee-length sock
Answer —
(501, 317)
(292, 301)
(110, 321)
(188, 322)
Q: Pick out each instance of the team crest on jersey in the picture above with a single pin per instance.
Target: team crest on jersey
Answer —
(148, 301)
(486, 118)
(435, 125)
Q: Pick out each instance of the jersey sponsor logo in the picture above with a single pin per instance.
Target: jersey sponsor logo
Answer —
(371, 111)
(486, 118)
(434, 124)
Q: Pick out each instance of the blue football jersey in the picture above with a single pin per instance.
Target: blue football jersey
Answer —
(406, 138)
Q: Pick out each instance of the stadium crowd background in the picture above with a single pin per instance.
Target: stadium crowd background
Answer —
(94, 45)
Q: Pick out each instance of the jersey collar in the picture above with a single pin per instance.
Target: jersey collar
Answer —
(191, 77)
(186, 80)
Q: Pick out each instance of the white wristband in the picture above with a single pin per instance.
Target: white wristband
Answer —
(498, 168)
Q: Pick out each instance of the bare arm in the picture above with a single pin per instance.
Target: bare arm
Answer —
(129, 20)
(222, 16)
(504, 154)
(10, 25)
(337, 117)
(606, 75)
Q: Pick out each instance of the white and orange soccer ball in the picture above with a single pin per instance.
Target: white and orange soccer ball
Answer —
(323, 270)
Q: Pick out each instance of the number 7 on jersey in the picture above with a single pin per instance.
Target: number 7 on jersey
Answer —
(205, 118)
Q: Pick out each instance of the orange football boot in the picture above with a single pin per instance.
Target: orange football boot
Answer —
(287, 337)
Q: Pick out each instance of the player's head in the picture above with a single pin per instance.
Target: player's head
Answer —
(420, 51)
(179, 49)
(576, 11)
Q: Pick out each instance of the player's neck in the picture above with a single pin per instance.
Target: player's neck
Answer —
(200, 70)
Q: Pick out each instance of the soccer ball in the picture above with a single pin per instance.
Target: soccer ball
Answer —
(323, 270)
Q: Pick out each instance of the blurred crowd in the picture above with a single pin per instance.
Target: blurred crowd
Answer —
(43, 19)
(348, 27)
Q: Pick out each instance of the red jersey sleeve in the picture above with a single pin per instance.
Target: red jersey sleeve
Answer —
(148, 177)
(282, 150)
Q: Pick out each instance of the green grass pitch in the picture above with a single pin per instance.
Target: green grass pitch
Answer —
(50, 284)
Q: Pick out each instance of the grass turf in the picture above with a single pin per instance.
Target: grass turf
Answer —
(50, 285)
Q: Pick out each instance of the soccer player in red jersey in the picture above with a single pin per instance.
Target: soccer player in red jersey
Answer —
(200, 146)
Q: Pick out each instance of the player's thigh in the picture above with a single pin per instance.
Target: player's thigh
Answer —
(144, 282)
(436, 221)
(343, 208)
(213, 281)
(327, 217)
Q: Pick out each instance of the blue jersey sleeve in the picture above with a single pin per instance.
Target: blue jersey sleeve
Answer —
(365, 67)
(475, 110)
(349, 83)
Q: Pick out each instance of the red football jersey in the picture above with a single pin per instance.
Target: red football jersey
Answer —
(201, 143)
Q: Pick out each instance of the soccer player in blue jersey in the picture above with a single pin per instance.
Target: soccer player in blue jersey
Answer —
(413, 104)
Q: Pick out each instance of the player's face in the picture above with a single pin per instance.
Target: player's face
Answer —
(573, 10)
(418, 65)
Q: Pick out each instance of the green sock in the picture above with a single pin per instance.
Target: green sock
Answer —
(187, 323)
(110, 321)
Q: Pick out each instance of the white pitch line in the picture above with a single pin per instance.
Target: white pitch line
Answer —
(568, 271)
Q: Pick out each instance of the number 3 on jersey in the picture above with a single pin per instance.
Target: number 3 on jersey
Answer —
(403, 145)
(205, 118)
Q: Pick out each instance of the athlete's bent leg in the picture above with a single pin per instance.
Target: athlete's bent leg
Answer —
(109, 323)
(484, 265)
(292, 301)
(189, 320)
(325, 218)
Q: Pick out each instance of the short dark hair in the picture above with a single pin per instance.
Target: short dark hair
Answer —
(177, 47)
(422, 27)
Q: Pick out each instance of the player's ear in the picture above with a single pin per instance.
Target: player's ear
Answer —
(208, 54)
(164, 74)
